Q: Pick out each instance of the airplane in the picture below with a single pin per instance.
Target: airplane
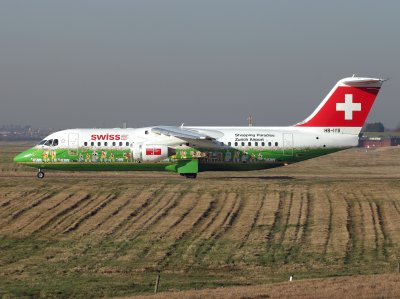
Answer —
(333, 126)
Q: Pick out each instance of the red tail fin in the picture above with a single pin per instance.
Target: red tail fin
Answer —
(347, 105)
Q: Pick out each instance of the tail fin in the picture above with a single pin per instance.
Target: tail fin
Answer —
(347, 105)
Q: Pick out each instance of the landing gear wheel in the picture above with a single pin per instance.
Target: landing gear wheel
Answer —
(190, 175)
(40, 174)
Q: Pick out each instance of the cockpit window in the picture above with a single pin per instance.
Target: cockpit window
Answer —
(42, 142)
(49, 142)
(55, 142)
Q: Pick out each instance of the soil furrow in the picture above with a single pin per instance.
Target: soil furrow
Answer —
(194, 233)
(158, 215)
(79, 210)
(254, 221)
(277, 219)
(114, 212)
(104, 215)
(292, 235)
(11, 197)
(329, 232)
(227, 224)
(35, 204)
(396, 207)
(299, 222)
(181, 227)
(382, 227)
(375, 229)
(148, 200)
(207, 239)
(131, 215)
(218, 206)
(121, 214)
(90, 214)
(361, 231)
(350, 231)
(20, 198)
(60, 202)
(286, 218)
(34, 216)
(76, 201)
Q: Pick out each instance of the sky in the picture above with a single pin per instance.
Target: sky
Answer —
(78, 64)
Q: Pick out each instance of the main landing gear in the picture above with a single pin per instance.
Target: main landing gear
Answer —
(40, 174)
(190, 175)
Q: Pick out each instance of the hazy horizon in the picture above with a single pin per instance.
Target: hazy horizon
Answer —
(99, 63)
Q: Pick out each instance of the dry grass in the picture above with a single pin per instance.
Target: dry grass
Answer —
(368, 286)
(104, 234)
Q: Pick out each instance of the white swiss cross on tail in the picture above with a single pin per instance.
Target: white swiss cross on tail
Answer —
(348, 106)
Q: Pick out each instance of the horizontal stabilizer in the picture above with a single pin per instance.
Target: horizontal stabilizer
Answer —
(362, 82)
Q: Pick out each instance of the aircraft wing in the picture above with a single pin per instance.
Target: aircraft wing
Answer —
(181, 132)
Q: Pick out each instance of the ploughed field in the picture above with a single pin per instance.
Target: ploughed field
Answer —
(92, 234)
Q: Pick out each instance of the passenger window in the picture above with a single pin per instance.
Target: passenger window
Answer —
(127, 143)
(256, 143)
(276, 143)
(99, 143)
(249, 144)
(262, 143)
(113, 143)
(269, 143)
(229, 143)
(85, 143)
(242, 143)
(92, 143)
(146, 132)
(120, 143)
(55, 142)
(236, 144)
(105, 143)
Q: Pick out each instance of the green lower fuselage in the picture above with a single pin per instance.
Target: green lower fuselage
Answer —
(91, 159)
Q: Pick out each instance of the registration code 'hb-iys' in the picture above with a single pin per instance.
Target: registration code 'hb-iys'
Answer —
(332, 130)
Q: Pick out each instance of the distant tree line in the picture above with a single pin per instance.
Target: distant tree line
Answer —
(17, 132)
(379, 127)
(374, 127)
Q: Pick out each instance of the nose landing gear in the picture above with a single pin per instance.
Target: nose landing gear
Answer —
(40, 174)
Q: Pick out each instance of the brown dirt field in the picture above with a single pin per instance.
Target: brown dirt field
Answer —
(80, 234)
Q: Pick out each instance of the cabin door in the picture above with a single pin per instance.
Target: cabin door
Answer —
(287, 144)
(73, 143)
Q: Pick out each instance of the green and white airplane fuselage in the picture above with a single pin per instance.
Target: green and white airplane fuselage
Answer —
(333, 126)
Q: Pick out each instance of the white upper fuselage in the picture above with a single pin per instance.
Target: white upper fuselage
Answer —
(235, 137)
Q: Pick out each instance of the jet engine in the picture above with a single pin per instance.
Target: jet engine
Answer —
(151, 152)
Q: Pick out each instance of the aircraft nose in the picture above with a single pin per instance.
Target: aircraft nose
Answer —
(19, 158)
(23, 157)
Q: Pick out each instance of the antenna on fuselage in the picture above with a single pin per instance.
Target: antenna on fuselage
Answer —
(250, 120)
